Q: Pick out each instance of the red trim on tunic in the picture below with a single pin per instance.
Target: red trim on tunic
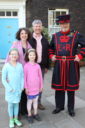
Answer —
(82, 48)
(60, 68)
(56, 40)
(51, 50)
(76, 68)
(67, 85)
(82, 52)
(65, 58)
(71, 89)
(64, 39)
(65, 32)
(65, 89)
(73, 41)
(50, 56)
(68, 72)
(64, 21)
(80, 56)
(72, 85)
(57, 84)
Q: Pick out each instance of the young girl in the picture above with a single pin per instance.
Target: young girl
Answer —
(33, 83)
(12, 79)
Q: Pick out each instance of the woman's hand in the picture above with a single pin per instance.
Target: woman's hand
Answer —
(26, 91)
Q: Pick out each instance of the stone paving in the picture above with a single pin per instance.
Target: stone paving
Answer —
(61, 120)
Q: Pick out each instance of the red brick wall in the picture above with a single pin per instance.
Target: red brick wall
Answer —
(38, 9)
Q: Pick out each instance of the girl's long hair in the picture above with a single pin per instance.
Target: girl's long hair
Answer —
(27, 54)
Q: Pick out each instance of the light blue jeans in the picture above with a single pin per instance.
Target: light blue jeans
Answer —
(13, 109)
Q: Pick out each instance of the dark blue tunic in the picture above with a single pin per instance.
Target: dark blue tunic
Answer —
(66, 71)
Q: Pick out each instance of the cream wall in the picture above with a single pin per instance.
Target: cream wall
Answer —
(18, 5)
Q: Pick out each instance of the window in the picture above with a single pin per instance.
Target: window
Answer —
(2, 13)
(14, 13)
(52, 14)
(8, 13)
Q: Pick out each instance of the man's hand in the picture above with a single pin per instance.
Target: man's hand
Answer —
(76, 58)
(41, 89)
(54, 58)
(46, 70)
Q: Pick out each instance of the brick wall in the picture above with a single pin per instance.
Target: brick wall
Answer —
(38, 9)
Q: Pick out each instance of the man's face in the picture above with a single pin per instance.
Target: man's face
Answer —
(65, 26)
(37, 28)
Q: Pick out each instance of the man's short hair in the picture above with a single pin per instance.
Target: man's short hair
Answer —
(36, 22)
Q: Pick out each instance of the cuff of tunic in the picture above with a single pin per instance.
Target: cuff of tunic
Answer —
(50, 56)
(80, 56)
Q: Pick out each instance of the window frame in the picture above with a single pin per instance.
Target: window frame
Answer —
(11, 11)
(52, 22)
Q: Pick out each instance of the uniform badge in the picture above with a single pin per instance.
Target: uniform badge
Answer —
(64, 39)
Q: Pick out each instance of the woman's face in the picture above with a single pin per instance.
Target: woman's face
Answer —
(14, 55)
(23, 35)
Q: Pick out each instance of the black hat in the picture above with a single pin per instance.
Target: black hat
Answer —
(63, 19)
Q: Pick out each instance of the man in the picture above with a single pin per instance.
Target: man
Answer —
(64, 50)
(40, 43)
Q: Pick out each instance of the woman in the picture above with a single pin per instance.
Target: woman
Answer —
(23, 35)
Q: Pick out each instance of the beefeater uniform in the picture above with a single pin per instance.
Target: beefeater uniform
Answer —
(66, 74)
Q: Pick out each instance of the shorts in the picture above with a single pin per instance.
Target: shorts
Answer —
(32, 96)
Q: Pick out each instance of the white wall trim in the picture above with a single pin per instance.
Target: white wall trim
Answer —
(19, 5)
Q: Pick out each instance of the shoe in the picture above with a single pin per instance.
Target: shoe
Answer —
(30, 119)
(37, 117)
(11, 123)
(41, 107)
(71, 113)
(17, 122)
(57, 110)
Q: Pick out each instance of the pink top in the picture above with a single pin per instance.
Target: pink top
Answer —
(39, 47)
(18, 45)
(33, 78)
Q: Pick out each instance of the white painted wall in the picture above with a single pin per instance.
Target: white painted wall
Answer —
(18, 5)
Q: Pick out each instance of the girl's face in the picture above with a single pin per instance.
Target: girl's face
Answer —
(32, 56)
(14, 55)
(23, 35)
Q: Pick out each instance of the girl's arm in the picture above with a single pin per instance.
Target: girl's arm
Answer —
(4, 78)
(25, 79)
(22, 78)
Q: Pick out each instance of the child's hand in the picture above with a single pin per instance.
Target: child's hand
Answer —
(26, 91)
(12, 90)
(41, 89)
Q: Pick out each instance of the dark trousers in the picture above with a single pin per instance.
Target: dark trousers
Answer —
(60, 99)
(23, 104)
(40, 95)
